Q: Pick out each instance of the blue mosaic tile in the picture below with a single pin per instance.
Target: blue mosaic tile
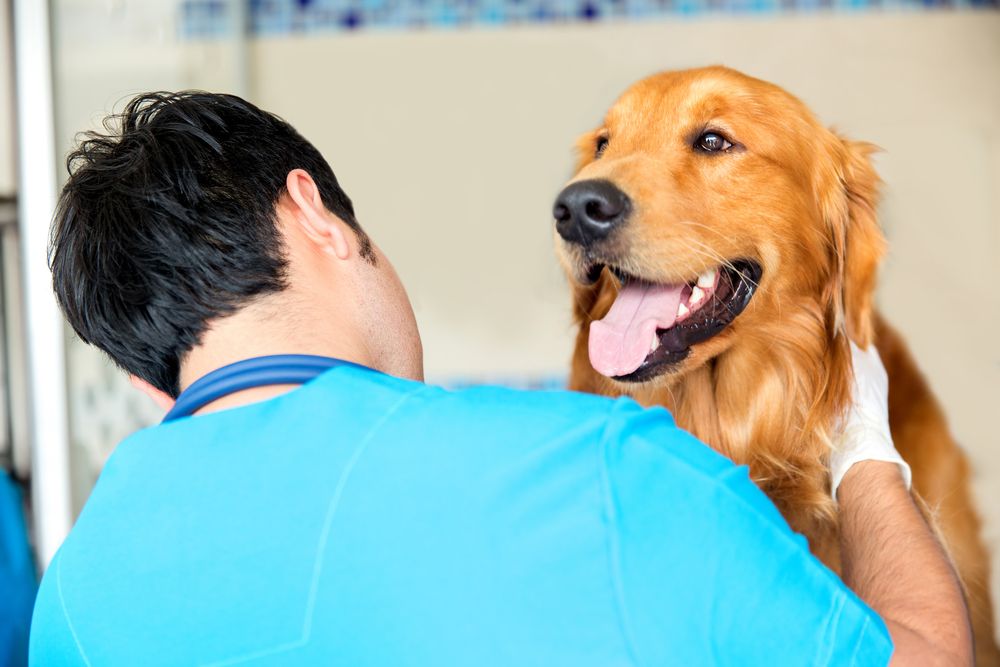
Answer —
(531, 383)
(212, 18)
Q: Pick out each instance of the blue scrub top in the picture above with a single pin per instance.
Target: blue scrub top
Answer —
(366, 520)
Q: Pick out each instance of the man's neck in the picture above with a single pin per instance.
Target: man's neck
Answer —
(261, 330)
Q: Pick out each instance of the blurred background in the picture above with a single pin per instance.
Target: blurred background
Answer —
(450, 124)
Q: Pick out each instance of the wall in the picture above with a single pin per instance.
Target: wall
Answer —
(7, 146)
(453, 145)
(104, 53)
(7, 213)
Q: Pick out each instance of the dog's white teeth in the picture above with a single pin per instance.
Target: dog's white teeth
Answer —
(655, 343)
(682, 310)
(696, 294)
(707, 279)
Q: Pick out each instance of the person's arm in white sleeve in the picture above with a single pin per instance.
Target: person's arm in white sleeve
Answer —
(890, 556)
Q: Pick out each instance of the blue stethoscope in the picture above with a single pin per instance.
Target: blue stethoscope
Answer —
(248, 374)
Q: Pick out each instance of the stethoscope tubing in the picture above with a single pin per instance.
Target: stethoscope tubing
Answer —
(249, 374)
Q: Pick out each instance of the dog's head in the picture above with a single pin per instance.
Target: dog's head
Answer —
(705, 203)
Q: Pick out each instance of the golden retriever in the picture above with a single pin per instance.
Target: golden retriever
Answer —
(722, 247)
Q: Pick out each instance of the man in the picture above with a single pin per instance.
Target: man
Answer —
(364, 518)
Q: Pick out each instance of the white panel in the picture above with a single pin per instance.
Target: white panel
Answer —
(44, 323)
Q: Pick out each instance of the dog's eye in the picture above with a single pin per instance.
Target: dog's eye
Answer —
(602, 144)
(712, 142)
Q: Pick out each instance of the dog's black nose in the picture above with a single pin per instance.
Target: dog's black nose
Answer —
(587, 211)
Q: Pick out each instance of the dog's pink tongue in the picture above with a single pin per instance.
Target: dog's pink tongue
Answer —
(621, 341)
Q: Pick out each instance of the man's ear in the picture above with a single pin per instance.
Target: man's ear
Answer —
(310, 213)
(849, 199)
(161, 398)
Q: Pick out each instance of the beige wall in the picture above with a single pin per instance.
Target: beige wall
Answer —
(454, 144)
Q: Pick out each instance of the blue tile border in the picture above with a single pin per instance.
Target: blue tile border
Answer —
(528, 382)
(212, 18)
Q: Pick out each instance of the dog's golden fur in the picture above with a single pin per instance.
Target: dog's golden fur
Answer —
(768, 391)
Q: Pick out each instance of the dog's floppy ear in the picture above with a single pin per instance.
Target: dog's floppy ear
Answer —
(849, 191)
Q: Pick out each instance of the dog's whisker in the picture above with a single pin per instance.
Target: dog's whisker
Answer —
(701, 250)
(706, 251)
(692, 223)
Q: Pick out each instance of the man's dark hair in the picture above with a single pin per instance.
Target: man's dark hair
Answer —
(168, 221)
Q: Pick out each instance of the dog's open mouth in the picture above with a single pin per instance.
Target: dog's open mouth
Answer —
(652, 326)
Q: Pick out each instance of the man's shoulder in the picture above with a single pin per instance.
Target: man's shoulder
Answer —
(479, 409)
(615, 432)
(481, 398)
(534, 417)
(620, 424)
(555, 405)
(52, 641)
